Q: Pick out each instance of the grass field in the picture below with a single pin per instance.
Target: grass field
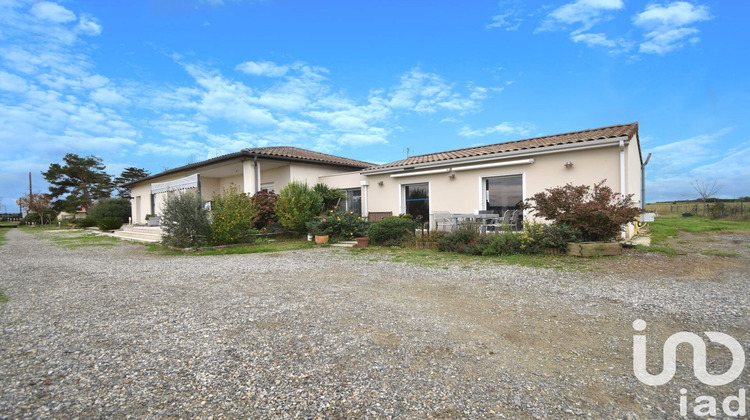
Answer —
(668, 226)
(85, 240)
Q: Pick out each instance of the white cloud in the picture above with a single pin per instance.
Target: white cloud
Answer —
(52, 12)
(107, 96)
(668, 26)
(262, 68)
(12, 83)
(594, 40)
(508, 21)
(503, 129)
(427, 92)
(674, 165)
(676, 14)
(88, 26)
(582, 13)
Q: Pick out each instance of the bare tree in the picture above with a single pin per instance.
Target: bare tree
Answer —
(705, 190)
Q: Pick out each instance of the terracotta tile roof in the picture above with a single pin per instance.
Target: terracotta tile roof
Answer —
(584, 136)
(278, 152)
(303, 154)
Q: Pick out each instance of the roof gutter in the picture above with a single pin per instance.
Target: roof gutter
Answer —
(502, 155)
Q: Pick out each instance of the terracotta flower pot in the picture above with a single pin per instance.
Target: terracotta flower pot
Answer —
(321, 239)
(362, 242)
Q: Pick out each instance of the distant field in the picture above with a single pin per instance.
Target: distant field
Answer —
(730, 209)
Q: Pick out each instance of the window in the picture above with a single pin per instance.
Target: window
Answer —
(353, 200)
(268, 186)
(503, 193)
(417, 200)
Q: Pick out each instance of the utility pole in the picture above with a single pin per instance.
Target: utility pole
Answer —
(29, 185)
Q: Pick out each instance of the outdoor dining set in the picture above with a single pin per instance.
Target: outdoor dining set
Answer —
(487, 221)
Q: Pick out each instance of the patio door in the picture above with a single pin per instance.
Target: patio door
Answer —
(503, 193)
(417, 200)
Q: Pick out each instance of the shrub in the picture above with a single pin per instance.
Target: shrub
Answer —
(85, 222)
(331, 197)
(111, 207)
(297, 205)
(184, 220)
(264, 207)
(48, 215)
(597, 213)
(391, 231)
(233, 215)
(456, 241)
(339, 224)
(537, 237)
(109, 223)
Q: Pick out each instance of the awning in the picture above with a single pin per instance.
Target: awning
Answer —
(178, 184)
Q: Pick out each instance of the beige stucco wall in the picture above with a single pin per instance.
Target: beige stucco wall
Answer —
(309, 173)
(633, 167)
(344, 180)
(279, 176)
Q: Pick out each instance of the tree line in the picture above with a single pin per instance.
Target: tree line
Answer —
(78, 183)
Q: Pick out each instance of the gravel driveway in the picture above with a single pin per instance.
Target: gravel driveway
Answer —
(115, 331)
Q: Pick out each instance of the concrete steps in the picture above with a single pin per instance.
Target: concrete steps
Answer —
(345, 244)
(139, 233)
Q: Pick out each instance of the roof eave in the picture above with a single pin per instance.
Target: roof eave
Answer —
(241, 154)
(591, 144)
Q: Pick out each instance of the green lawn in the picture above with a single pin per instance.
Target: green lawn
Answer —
(3, 232)
(665, 227)
(85, 240)
(437, 259)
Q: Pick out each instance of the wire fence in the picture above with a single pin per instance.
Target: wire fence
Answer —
(714, 210)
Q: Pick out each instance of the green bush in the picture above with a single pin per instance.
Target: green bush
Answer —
(111, 207)
(339, 224)
(331, 197)
(534, 239)
(85, 222)
(391, 231)
(501, 244)
(297, 205)
(48, 215)
(110, 223)
(233, 215)
(264, 207)
(184, 220)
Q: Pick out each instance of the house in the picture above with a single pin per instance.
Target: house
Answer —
(496, 177)
(500, 176)
(249, 170)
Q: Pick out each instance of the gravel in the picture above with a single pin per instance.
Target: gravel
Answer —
(116, 331)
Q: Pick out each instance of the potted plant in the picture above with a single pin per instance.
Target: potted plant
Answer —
(152, 220)
(362, 241)
(319, 228)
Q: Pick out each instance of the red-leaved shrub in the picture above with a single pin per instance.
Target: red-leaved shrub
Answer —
(597, 212)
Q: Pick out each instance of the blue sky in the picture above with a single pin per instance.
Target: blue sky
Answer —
(161, 83)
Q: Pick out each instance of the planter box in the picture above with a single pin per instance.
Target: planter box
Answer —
(593, 249)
